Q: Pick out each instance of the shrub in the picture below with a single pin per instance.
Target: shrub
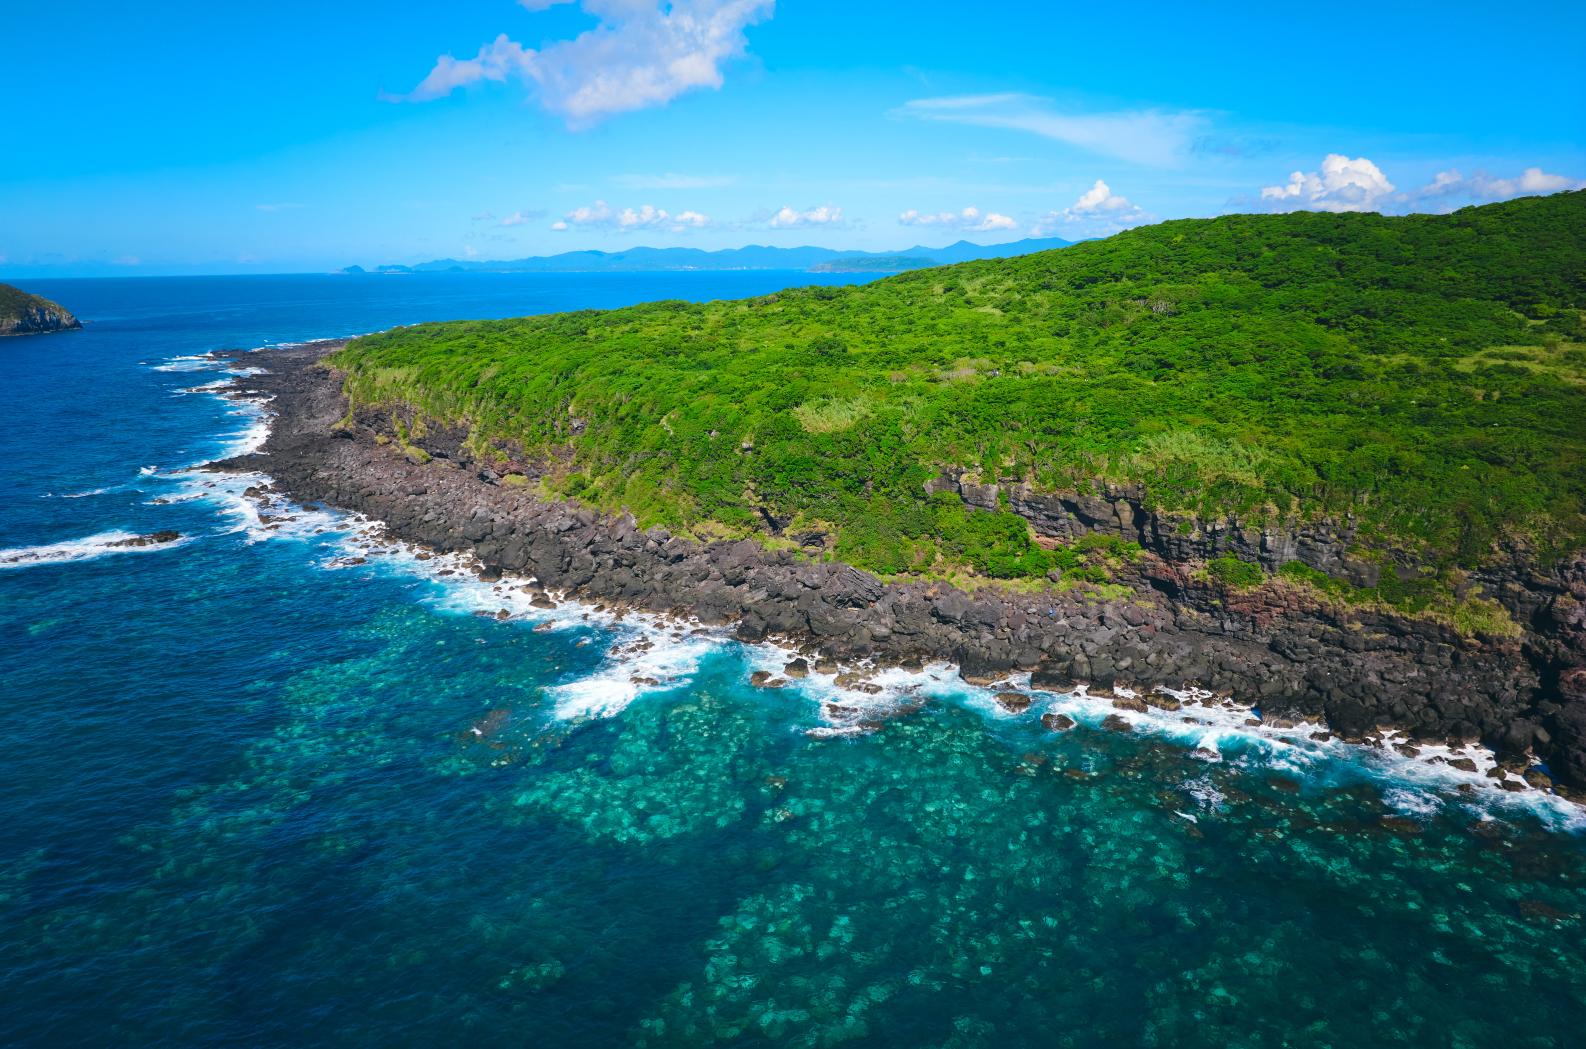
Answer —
(1232, 572)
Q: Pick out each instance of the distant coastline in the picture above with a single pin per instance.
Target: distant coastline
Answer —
(751, 257)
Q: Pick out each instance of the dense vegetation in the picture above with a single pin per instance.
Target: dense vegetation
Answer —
(1426, 374)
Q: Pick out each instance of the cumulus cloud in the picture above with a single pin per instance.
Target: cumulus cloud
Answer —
(1453, 187)
(1151, 136)
(970, 220)
(791, 218)
(601, 215)
(1341, 185)
(1097, 211)
(642, 53)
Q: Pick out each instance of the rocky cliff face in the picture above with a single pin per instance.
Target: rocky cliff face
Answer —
(24, 314)
(1277, 645)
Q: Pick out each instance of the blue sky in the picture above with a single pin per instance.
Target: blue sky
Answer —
(300, 136)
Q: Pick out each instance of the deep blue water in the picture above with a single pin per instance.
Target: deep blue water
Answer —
(258, 793)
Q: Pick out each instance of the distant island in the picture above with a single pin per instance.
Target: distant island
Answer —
(752, 257)
(24, 314)
(1335, 459)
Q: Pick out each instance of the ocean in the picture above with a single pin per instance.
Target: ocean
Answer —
(284, 783)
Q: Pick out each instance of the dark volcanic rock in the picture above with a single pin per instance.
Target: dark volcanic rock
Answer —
(152, 539)
(1057, 722)
(1357, 670)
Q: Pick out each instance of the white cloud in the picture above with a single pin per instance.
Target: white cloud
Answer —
(1147, 136)
(601, 215)
(791, 218)
(271, 208)
(672, 180)
(1098, 211)
(1452, 186)
(485, 216)
(642, 53)
(517, 218)
(970, 220)
(1341, 185)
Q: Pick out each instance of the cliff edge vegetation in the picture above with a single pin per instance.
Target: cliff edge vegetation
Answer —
(1422, 378)
(24, 314)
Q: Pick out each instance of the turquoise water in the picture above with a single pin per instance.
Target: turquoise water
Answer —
(259, 792)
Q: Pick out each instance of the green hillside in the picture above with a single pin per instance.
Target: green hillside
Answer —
(1426, 373)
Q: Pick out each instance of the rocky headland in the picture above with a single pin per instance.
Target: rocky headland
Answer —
(1295, 656)
(24, 314)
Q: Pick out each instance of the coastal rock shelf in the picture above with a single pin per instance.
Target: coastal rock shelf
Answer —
(1358, 671)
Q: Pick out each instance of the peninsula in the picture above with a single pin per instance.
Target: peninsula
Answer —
(24, 314)
(1331, 462)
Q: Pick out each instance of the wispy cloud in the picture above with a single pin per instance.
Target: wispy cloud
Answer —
(271, 208)
(642, 53)
(1154, 137)
(672, 180)
(519, 218)
(601, 215)
(969, 220)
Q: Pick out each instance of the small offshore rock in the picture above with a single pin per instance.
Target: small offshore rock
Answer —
(152, 539)
(1013, 702)
(1057, 722)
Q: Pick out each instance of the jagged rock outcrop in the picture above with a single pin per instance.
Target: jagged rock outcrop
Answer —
(24, 314)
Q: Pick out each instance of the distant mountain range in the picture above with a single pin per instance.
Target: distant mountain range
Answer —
(753, 257)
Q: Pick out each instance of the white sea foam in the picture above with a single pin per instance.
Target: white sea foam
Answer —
(648, 653)
(85, 549)
(84, 494)
(188, 363)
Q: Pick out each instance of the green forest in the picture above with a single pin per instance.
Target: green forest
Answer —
(1426, 374)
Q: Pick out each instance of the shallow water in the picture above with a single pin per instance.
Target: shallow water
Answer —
(260, 792)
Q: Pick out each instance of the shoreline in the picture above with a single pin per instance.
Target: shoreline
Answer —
(1371, 679)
